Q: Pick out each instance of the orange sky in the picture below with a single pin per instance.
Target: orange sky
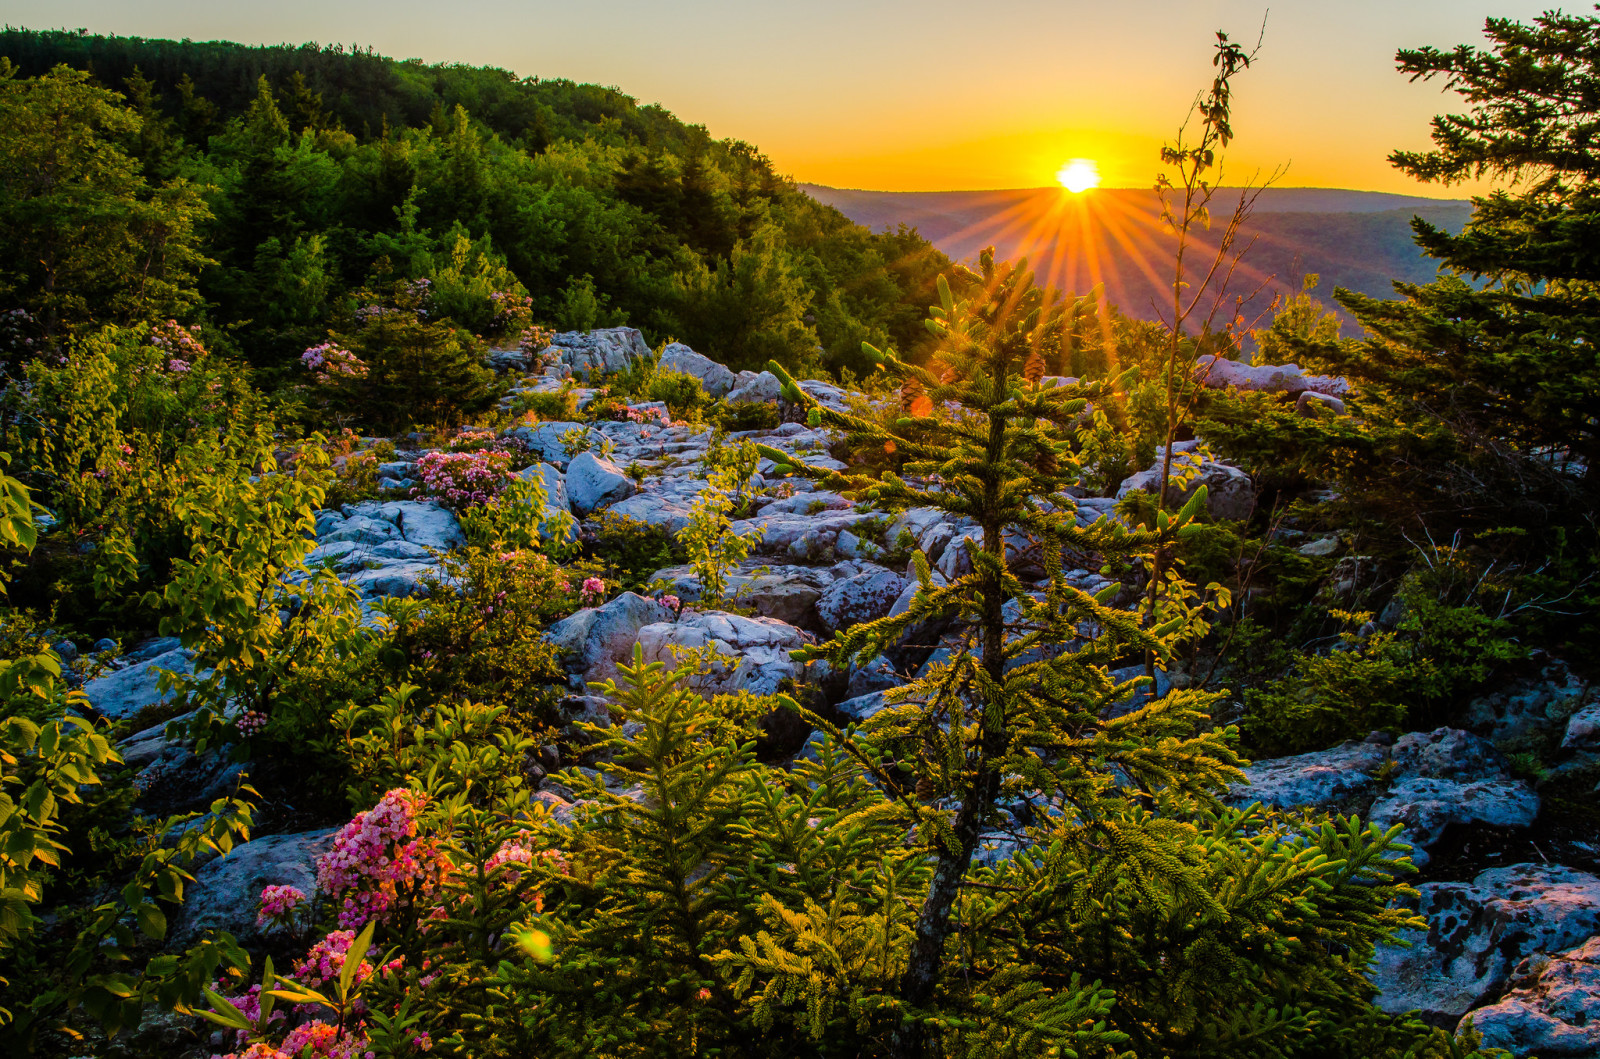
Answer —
(920, 94)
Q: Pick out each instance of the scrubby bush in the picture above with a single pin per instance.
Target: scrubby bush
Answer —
(682, 394)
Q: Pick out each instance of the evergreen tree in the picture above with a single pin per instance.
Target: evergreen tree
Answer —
(1507, 366)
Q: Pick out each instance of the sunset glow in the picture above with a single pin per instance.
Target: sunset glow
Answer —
(1079, 175)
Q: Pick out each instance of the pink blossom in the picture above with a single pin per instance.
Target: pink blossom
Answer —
(277, 902)
(593, 591)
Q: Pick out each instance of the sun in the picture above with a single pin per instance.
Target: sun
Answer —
(1080, 174)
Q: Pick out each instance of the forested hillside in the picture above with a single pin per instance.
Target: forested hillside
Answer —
(293, 176)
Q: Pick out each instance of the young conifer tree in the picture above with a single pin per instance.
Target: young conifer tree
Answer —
(1029, 705)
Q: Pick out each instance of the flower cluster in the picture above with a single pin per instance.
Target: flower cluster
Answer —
(377, 860)
(250, 723)
(671, 602)
(330, 361)
(593, 591)
(278, 903)
(649, 415)
(510, 309)
(178, 344)
(464, 479)
(535, 340)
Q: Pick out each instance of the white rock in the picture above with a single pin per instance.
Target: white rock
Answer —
(596, 638)
(862, 598)
(127, 691)
(763, 389)
(1229, 492)
(594, 483)
(756, 649)
(601, 351)
(716, 379)
(1219, 372)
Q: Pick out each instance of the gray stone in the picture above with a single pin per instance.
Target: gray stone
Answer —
(756, 649)
(127, 691)
(1325, 778)
(1229, 492)
(1554, 1012)
(594, 483)
(596, 638)
(1478, 932)
(1311, 403)
(862, 707)
(716, 379)
(599, 352)
(1219, 373)
(1319, 548)
(1583, 729)
(226, 892)
(862, 598)
(763, 389)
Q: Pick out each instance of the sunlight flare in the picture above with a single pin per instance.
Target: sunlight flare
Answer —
(1079, 175)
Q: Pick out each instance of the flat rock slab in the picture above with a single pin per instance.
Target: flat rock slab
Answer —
(225, 892)
(1553, 1013)
(1479, 931)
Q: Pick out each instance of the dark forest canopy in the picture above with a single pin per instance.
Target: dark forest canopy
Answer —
(327, 170)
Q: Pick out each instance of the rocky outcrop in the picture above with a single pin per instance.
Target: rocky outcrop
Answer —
(756, 650)
(599, 352)
(1219, 373)
(1554, 1011)
(865, 597)
(1478, 932)
(714, 378)
(595, 639)
(1229, 491)
(763, 388)
(125, 692)
(1426, 781)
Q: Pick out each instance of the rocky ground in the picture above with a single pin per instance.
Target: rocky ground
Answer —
(1508, 889)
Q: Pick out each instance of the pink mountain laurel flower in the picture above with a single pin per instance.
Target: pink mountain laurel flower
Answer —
(378, 860)
(278, 903)
(464, 479)
(593, 591)
(333, 362)
(250, 723)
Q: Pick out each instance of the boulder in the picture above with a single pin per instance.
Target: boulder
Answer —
(1219, 373)
(225, 892)
(544, 441)
(756, 649)
(763, 389)
(1430, 780)
(127, 691)
(594, 483)
(1229, 491)
(595, 638)
(1311, 403)
(598, 352)
(826, 394)
(1554, 1012)
(1583, 729)
(555, 497)
(716, 379)
(663, 505)
(1478, 932)
(865, 597)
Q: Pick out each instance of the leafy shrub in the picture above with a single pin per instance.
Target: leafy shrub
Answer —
(683, 394)
(561, 406)
(630, 550)
(753, 415)
(475, 636)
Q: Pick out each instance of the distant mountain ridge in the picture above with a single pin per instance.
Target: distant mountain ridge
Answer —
(1359, 240)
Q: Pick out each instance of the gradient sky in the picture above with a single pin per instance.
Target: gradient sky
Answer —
(919, 96)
